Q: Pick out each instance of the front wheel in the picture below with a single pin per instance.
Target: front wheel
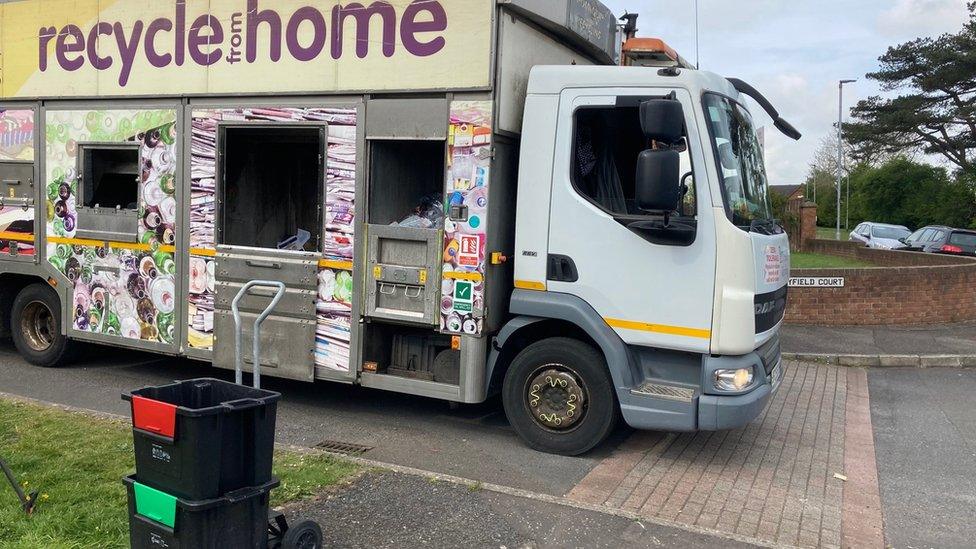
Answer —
(35, 323)
(559, 397)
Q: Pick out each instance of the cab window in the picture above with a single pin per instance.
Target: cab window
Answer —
(606, 144)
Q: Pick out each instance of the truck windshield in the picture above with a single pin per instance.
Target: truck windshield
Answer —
(740, 158)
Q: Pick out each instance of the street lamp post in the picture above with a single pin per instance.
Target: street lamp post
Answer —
(840, 146)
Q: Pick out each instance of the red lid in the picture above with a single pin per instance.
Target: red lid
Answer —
(153, 416)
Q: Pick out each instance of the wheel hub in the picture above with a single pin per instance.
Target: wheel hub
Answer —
(38, 326)
(307, 540)
(556, 398)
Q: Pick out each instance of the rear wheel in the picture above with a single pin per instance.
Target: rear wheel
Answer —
(36, 327)
(559, 397)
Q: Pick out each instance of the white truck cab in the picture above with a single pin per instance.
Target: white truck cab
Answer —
(643, 227)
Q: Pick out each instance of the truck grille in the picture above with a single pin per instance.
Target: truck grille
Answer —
(770, 354)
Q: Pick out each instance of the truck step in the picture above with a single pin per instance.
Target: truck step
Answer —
(667, 392)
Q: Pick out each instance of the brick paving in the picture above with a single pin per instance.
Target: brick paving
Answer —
(771, 481)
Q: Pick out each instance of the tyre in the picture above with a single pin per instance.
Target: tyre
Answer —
(304, 535)
(35, 324)
(559, 397)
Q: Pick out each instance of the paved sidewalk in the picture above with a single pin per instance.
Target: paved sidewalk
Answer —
(391, 510)
(933, 340)
(803, 474)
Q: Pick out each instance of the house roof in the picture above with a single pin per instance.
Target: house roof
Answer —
(786, 190)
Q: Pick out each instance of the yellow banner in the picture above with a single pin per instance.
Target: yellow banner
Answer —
(104, 48)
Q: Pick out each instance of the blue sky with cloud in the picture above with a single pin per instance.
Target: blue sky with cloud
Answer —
(795, 52)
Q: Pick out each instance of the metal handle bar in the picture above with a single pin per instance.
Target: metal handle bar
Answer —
(239, 328)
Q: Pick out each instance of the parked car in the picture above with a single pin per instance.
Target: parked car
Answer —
(881, 236)
(942, 240)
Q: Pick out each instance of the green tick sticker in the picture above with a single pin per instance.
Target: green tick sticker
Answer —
(463, 291)
(463, 296)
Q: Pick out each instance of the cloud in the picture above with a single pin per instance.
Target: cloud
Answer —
(811, 106)
(909, 19)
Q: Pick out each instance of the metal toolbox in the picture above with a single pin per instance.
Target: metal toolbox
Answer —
(403, 274)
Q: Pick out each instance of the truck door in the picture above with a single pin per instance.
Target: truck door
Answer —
(653, 295)
(271, 184)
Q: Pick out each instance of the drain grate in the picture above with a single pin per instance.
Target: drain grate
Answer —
(345, 448)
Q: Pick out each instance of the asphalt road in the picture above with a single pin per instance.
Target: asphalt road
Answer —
(473, 442)
(925, 439)
(440, 514)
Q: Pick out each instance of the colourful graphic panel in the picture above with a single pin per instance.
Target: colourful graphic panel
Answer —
(334, 306)
(124, 289)
(17, 135)
(468, 179)
(17, 145)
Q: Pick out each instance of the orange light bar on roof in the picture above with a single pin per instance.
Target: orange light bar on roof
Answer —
(650, 45)
(652, 52)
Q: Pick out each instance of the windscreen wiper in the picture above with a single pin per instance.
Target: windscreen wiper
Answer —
(782, 125)
(765, 226)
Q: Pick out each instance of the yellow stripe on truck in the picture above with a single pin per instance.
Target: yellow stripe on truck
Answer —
(335, 265)
(659, 328)
(17, 237)
(470, 277)
(530, 285)
(135, 246)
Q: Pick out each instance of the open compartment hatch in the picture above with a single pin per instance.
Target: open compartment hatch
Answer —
(269, 211)
(406, 214)
(273, 180)
(404, 176)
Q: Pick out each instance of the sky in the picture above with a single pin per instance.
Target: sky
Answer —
(795, 53)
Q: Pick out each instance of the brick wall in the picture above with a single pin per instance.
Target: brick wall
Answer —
(910, 292)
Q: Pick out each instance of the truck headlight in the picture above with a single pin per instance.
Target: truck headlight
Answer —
(734, 380)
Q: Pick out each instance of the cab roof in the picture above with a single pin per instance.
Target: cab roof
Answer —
(552, 80)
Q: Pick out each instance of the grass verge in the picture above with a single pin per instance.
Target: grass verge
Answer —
(77, 463)
(823, 261)
(830, 233)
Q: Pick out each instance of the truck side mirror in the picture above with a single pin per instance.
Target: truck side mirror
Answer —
(663, 120)
(658, 181)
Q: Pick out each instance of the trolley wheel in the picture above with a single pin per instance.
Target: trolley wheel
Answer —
(304, 535)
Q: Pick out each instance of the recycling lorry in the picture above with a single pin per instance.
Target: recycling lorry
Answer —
(462, 199)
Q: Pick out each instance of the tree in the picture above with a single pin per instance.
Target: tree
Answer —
(821, 188)
(936, 111)
(821, 182)
(825, 157)
(909, 193)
